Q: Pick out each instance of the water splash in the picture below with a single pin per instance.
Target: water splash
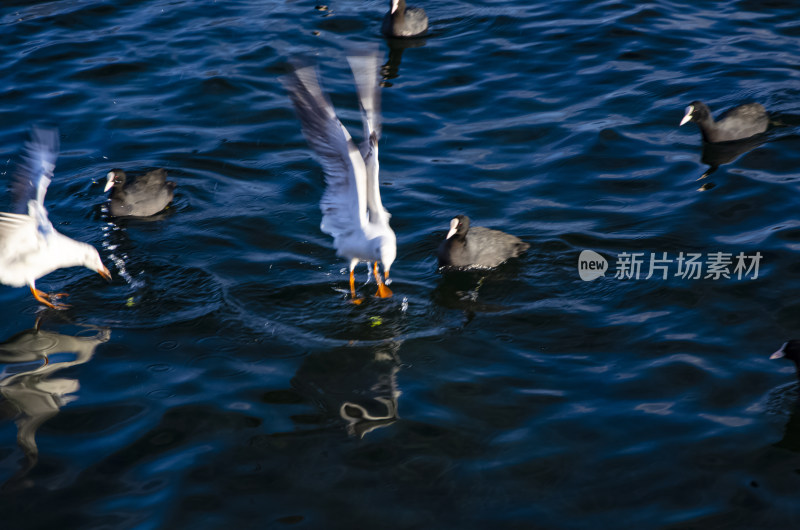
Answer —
(118, 258)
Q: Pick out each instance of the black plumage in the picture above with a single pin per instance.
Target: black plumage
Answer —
(141, 196)
(477, 247)
(737, 123)
(402, 21)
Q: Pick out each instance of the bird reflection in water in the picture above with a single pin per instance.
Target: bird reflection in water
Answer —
(715, 155)
(391, 70)
(360, 383)
(380, 408)
(28, 390)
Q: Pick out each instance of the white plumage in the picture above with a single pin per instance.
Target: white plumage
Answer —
(29, 245)
(352, 211)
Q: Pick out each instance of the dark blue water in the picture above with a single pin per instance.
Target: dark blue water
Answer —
(223, 379)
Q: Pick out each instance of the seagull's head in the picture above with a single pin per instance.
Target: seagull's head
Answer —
(91, 260)
(115, 176)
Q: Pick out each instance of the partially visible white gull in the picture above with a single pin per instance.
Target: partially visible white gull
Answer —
(352, 211)
(29, 245)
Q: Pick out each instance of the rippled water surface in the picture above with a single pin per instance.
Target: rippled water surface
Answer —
(223, 379)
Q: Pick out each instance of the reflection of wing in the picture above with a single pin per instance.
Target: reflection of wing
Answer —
(361, 421)
(36, 344)
(365, 71)
(35, 395)
(343, 203)
(34, 173)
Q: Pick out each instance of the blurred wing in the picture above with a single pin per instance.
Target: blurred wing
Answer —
(18, 236)
(33, 175)
(343, 204)
(365, 71)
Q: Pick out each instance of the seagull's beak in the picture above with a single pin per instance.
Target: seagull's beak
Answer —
(688, 117)
(109, 183)
(104, 273)
(778, 354)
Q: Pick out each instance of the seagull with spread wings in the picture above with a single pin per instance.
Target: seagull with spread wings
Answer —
(352, 211)
(29, 245)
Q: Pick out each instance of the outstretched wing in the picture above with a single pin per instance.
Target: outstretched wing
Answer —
(33, 175)
(343, 204)
(365, 72)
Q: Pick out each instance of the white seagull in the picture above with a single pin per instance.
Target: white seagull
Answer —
(352, 211)
(29, 245)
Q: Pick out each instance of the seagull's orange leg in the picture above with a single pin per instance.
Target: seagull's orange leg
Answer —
(42, 297)
(353, 288)
(383, 291)
(45, 298)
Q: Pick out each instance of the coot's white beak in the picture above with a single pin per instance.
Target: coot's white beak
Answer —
(688, 116)
(778, 354)
(109, 182)
(453, 227)
(395, 4)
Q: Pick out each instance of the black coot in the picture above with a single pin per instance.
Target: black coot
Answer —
(738, 123)
(790, 350)
(402, 21)
(143, 196)
(477, 247)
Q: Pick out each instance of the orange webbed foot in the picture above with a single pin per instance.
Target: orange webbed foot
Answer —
(50, 301)
(383, 291)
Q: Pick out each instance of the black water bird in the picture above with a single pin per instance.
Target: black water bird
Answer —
(737, 123)
(790, 350)
(143, 196)
(402, 21)
(791, 434)
(477, 247)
